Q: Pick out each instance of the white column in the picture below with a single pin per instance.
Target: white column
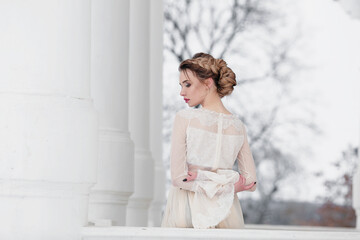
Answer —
(137, 211)
(109, 88)
(356, 195)
(48, 126)
(156, 71)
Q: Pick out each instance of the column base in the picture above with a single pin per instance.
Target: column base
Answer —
(137, 212)
(42, 209)
(108, 208)
(158, 203)
(155, 214)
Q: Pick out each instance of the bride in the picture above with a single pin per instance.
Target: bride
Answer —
(205, 144)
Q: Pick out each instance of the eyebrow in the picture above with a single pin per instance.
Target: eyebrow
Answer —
(184, 81)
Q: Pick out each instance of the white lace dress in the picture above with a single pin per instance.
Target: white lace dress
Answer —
(209, 143)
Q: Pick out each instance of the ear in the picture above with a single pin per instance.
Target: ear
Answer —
(209, 82)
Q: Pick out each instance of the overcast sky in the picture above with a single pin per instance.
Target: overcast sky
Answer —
(333, 48)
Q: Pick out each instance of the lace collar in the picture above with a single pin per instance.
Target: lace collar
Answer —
(215, 113)
(209, 117)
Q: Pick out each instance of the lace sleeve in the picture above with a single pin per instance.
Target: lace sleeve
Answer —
(246, 165)
(178, 164)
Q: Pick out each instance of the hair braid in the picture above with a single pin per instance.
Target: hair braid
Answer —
(205, 66)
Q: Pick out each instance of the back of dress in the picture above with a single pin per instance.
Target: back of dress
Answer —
(207, 140)
(213, 139)
(209, 143)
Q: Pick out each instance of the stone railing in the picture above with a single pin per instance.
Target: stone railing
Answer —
(253, 232)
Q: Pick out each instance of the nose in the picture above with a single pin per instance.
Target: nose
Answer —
(182, 92)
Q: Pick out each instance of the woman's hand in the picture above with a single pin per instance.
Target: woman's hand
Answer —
(191, 176)
(240, 185)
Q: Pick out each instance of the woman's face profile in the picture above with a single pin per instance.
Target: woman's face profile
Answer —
(192, 90)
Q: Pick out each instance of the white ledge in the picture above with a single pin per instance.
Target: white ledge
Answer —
(251, 232)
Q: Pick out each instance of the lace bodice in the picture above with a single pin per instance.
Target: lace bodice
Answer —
(207, 140)
(210, 142)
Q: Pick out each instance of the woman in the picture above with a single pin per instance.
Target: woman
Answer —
(205, 144)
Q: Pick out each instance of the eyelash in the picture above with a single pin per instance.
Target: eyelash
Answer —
(186, 85)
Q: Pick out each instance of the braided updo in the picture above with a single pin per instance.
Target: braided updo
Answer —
(205, 66)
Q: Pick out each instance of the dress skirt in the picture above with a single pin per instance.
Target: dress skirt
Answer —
(182, 203)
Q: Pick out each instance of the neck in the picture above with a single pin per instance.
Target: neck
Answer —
(214, 103)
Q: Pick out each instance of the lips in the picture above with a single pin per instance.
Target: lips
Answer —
(186, 100)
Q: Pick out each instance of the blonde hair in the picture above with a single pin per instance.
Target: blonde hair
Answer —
(205, 66)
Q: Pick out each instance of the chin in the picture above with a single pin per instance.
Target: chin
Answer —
(192, 105)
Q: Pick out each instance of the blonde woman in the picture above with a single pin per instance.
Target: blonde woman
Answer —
(205, 144)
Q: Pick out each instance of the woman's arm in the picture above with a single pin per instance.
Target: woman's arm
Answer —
(178, 164)
(240, 186)
(246, 165)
